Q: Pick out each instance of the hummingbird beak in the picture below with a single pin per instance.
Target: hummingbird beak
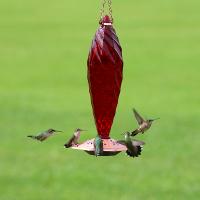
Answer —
(58, 131)
(83, 130)
(155, 119)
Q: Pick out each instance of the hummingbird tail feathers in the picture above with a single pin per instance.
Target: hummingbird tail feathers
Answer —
(139, 148)
(135, 132)
(98, 146)
(128, 153)
(98, 151)
(67, 145)
(97, 154)
(135, 154)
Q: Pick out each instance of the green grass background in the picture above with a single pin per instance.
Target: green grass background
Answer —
(43, 52)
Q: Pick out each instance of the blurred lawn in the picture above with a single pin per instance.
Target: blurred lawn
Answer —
(43, 52)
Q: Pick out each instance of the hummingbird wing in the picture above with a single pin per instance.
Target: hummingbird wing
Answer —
(121, 142)
(70, 142)
(41, 137)
(137, 143)
(138, 117)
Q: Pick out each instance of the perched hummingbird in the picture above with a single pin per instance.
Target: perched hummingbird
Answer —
(74, 139)
(44, 135)
(134, 147)
(98, 146)
(144, 125)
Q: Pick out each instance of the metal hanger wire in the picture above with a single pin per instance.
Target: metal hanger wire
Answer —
(103, 9)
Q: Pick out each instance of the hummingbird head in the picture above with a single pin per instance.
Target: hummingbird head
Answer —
(126, 134)
(53, 130)
(151, 120)
(79, 130)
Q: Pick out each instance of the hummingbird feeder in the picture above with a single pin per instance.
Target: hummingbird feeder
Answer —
(105, 73)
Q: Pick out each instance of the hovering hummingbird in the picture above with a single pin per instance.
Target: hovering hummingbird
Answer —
(44, 135)
(134, 147)
(98, 146)
(144, 125)
(74, 139)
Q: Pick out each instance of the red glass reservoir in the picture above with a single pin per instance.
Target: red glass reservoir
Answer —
(105, 69)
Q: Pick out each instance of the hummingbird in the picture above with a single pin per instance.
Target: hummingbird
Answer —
(144, 125)
(44, 135)
(98, 146)
(74, 139)
(134, 147)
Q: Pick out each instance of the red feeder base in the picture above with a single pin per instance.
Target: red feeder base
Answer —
(110, 147)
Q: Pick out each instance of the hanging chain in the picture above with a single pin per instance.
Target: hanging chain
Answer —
(102, 11)
(110, 9)
(102, 8)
